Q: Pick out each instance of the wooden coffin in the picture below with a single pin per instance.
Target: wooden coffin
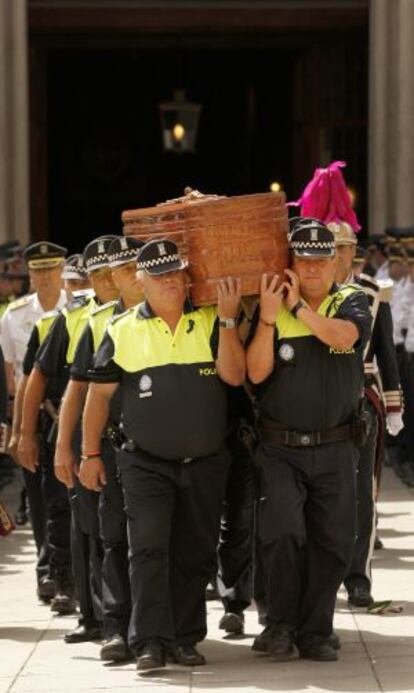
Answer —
(220, 237)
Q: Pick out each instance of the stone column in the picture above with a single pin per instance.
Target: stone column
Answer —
(391, 115)
(14, 122)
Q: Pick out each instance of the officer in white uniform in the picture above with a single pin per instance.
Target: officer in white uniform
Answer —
(45, 262)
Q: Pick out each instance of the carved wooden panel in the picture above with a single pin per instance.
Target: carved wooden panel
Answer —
(235, 236)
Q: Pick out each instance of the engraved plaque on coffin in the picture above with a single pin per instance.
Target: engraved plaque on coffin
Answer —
(220, 237)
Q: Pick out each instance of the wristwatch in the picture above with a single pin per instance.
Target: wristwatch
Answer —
(227, 322)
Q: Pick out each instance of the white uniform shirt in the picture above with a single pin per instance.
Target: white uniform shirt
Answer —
(408, 308)
(398, 310)
(16, 326)
(382, 272)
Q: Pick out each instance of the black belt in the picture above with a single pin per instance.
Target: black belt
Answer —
(298, 439)
(132, 446)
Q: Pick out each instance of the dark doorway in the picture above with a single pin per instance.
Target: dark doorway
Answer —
(104, 136)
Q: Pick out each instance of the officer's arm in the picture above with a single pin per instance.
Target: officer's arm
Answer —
(105, 376)
(8, 352)
(75, 394)
(350, 326)
(336, 333)
(28, 363)
(96, 414)
(28, 449)
(11, 386)
(230, 360)
(65, 462)
(260, 350)
(17, 417)
(260, 353)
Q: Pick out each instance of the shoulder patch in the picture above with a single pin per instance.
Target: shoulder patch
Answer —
(366, 280)
(386, 287)
(105, 306)
(20, 302)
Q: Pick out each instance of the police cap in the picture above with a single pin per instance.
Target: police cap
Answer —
(74, 267)
(360, 255)
(309, 237)
(123, 249)
(95, 254)
(159, 257)
(44, 254)
(396, 254)
(343, 233)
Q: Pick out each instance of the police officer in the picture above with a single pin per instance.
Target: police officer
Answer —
(399, 449)
(235, 549)
(45, 263)
(116, 600)
(75, 276)
(306, 356)
(55, 357)
(168, 359)
(383, 402)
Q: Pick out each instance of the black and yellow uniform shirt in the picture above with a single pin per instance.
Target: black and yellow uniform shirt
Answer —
(57, 351)
(41, 329)
(314, 387)
(174, 405)
(89, 344)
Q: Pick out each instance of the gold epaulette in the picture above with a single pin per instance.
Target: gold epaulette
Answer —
(20, 302)
(386, 290)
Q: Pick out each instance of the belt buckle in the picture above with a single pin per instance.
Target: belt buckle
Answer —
(186, 460)
(305, 439)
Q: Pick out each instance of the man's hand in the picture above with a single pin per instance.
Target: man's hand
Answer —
(12, 445)
(28, 452)
(271, 299)
(229, 297)
(292, 289)
(92, 474)
(65, 466)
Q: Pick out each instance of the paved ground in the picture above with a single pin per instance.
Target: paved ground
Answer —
(377, 652)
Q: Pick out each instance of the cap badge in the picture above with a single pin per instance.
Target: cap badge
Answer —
(43, 249)
(314, 235)
(287, 352)
(124, 243)
(161, 249)
(101, 248)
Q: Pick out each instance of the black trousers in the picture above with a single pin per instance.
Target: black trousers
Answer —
(37, 512)
(307, 531)
(116, 592)
(173, 514)
(235, 549)
(49, 514)
(359, 570)
(87, 553)
(404, 441)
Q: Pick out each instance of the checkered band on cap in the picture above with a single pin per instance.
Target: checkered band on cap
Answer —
(123, 256)
(96, 262)
(156, 262)
(303, 245)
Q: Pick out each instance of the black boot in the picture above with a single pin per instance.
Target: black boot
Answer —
(152, 657)
(84, 633)
(46, 589)
(64, 600)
